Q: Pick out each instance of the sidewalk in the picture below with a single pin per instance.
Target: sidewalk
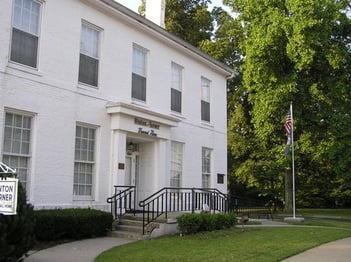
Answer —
(78, 251)
(336, 251)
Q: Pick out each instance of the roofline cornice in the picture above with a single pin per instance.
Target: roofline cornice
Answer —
(140, 22)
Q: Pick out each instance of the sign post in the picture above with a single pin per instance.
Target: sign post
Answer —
(8, 196)
(8, 190)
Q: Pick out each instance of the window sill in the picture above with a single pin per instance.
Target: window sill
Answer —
(23, 68)
(139, 102)
(87, 86)
(207, 124)
(82, 198)
(177, 114)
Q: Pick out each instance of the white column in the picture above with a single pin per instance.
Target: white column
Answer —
(118, 157)
(162, 160)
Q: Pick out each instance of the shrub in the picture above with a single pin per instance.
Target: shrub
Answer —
(16, 231)
(56, 224)
(193, 223)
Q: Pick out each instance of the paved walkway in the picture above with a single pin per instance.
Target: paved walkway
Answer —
(78, 251)
(336, 251)
(86, 250)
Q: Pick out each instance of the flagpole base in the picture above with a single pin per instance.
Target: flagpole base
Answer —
(294, 219)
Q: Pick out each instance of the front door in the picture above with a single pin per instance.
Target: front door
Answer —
(132, 172)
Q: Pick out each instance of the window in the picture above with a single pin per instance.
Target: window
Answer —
(84, 161)
(176, 164)
(205, 99)
(89, 55)
(176, 88)
(206, 167)
(139, 74)
(16, 147)
(25, 32)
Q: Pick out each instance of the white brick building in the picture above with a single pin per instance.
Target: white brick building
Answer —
(92, 95)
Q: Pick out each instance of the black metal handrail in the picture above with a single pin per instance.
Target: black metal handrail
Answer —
(123, 200)
(173, 199)
(250, 207)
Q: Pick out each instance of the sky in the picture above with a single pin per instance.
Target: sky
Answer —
(134, 4)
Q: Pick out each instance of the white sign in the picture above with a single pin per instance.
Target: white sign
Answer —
(8, 196)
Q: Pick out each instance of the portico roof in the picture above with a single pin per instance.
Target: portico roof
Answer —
(138, 111)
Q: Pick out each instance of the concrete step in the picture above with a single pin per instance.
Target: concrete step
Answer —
(129, 228)
(127, 235)
(139, 217)
(129, 222)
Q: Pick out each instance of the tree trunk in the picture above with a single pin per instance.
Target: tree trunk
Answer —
(288, 207)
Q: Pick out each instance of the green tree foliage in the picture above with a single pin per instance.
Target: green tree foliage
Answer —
(293, 51)
(189, 19)
(142, 8)
(285, 51)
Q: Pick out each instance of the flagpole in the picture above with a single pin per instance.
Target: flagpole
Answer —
(293, 160)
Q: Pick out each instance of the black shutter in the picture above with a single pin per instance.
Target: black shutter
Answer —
(24, 48)
(88, 70)
(138, 87)
(176, 100)
(205, 111)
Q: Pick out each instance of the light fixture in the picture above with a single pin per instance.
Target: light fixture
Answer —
(131, 147)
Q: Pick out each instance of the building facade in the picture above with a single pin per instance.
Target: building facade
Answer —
(92, 95)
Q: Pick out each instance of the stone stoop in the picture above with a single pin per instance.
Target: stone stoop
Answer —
(131, 227)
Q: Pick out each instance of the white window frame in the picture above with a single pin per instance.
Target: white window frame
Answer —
(176, 87)
(23, 29)
(23, 155)
(177, 154)
(81, 161)
(139, 73)
(90, 42)
(206, 160)
(205, 99)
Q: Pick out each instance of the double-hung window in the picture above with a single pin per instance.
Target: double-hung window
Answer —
(139, 74)
(176, 164)
(206, 167)
(205, 100)
(176, 88)
(89, 55)
(84, 161)
(25, 32)
(16, 147)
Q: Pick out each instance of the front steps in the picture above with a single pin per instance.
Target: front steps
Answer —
(130, 226)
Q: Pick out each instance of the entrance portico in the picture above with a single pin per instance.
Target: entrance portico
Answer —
(140, 139)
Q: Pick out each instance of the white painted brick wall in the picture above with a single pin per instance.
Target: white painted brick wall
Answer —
(52, 94)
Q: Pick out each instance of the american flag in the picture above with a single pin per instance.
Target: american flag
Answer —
(288, 132)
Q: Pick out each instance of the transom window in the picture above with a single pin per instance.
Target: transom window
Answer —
(84, 161)
(205, 99)
(176, 164)
(139, 74)
(176, 88)
(16, 146)
(25, 32)
(206, 167)
(89, 55)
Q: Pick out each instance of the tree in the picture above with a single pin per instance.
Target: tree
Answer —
(189, 19)
(142, 8)
(298, 51)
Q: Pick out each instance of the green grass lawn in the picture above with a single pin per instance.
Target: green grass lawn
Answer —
(235, 244)
(327, 213)
(325, 217)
